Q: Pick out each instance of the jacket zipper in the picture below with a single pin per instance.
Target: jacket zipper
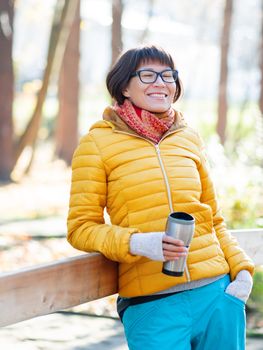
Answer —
(169, 194)
(158, 152)
(168, 188)
(166, 181)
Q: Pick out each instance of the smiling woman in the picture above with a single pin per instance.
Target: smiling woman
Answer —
(143, 162)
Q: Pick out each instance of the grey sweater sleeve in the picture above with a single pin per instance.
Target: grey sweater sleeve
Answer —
(148, 245)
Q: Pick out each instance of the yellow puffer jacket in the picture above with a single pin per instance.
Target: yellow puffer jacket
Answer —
(140, 184)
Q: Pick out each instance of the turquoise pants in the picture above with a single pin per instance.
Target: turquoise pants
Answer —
(204, 318)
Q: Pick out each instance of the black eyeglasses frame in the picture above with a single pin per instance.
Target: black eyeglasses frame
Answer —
(138, 74)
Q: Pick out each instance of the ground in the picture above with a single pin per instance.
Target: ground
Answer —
(62, 331)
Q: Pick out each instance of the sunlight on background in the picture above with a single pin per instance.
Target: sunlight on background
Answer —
(192, 34)
(34, 207)
(191, 31)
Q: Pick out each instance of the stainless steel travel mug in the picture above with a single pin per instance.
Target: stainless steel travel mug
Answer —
(181, 226)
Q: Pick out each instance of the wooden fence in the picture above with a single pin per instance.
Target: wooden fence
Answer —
(44, 289)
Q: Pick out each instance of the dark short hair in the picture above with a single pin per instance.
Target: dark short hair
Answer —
(120, 74)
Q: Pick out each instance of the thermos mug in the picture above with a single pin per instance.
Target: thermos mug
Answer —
(181, 226)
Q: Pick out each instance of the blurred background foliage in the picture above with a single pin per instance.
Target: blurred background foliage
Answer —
(54, 56)
(210, 60)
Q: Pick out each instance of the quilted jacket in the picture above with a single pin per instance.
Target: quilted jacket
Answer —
(140, 183)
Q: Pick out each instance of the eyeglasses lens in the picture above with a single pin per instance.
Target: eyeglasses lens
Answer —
(148, 77)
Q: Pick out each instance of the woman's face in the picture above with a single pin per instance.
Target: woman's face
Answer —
(156, 97)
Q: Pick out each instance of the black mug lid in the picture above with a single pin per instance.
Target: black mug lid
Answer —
(180, 216)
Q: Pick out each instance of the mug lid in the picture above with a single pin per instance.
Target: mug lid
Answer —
(182, 217)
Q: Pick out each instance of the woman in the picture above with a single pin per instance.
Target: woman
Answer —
(143, 162)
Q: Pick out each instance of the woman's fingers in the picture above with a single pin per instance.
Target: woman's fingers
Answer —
(169, 258)
(173, 248)
(173, 255)
(171, 240)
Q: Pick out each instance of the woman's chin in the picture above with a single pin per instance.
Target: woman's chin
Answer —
(158, 110)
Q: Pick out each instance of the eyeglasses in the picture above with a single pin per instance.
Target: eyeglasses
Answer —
(148, 76)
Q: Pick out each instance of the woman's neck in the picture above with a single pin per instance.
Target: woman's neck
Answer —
(138, 110)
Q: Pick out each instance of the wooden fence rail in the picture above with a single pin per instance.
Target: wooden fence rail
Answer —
(44, 289)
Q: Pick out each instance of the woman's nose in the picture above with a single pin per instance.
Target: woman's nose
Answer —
(159, 81)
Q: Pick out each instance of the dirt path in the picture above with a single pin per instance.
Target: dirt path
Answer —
(73, 332)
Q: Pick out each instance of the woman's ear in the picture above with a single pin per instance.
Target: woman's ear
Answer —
(126, 93)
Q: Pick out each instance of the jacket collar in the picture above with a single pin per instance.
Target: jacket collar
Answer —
(119, 125)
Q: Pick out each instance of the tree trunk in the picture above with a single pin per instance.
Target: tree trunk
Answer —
(63, 19)
(261, 64)
(6, 89)
(150, 14)
(222, 97)
(67, 123)
(116, 30)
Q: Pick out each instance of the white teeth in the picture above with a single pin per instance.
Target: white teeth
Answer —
(157, 95)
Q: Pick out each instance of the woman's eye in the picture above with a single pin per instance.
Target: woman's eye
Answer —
(167, 75)
(147, 74)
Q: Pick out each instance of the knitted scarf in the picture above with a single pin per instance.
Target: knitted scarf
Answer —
(149, 125)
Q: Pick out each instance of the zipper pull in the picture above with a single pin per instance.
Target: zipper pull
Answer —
(157, 148)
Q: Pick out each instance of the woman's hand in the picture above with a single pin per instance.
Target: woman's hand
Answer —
(157, 246)
(173, 248)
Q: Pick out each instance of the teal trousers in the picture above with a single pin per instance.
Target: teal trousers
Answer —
(204, 318)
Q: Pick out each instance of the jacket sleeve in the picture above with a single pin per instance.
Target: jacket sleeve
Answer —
(87, 230)
(234, 254)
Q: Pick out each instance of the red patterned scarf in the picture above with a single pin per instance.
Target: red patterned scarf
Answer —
(149, 125)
